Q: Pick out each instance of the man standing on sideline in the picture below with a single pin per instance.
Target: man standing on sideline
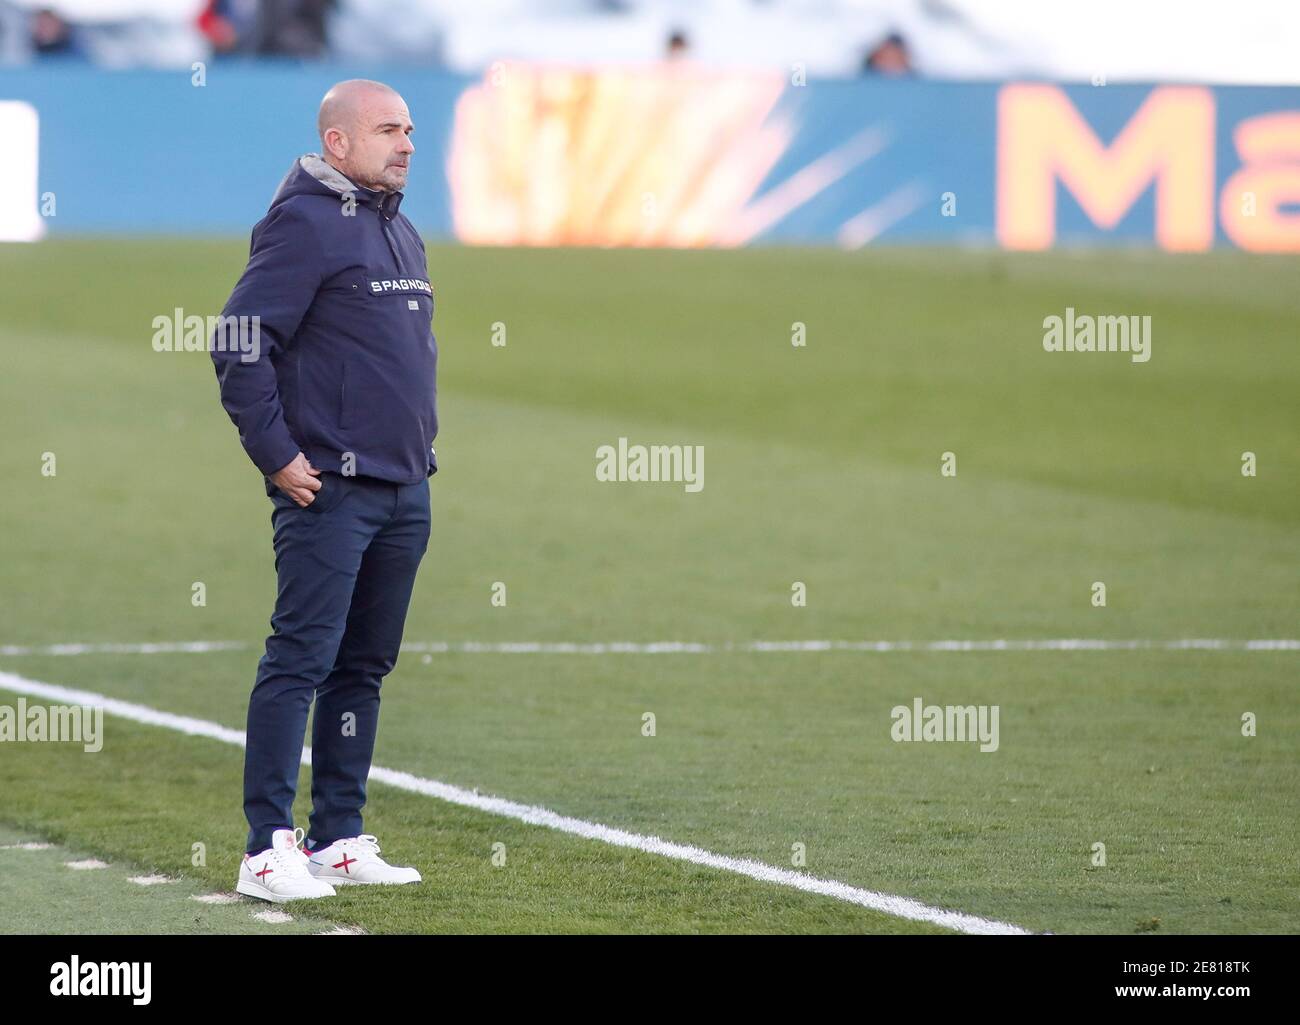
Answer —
(338, 410)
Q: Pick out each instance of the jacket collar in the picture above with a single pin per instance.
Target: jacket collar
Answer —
(387, 203)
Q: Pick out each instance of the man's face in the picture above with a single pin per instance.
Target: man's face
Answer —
(380, 148)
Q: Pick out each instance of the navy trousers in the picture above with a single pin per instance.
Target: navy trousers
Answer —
(346, 566)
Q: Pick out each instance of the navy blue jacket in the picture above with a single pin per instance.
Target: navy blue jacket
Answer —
(348, 359)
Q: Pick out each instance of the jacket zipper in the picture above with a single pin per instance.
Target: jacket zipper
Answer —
(388, 237)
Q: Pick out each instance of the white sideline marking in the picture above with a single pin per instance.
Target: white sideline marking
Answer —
(695, 647)
(148, 880)
(900, 907)
(273, 917)
(343, 930)
(29, 846)
(87, 863)
(160, 648)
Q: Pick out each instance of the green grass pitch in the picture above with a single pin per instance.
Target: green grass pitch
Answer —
(822, 466)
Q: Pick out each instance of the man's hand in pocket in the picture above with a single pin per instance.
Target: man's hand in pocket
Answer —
(298, 480)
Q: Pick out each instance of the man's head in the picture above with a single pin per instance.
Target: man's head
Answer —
(364, 132)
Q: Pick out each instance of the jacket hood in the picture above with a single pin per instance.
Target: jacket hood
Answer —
(311, 174)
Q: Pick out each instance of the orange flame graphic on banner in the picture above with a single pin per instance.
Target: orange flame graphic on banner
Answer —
(656, 156)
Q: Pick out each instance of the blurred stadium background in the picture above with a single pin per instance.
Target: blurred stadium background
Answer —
(650, 198)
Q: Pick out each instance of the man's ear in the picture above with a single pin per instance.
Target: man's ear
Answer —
(336, 144)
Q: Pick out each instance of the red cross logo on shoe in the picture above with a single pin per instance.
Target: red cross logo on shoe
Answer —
(345, 863)
(266, 871)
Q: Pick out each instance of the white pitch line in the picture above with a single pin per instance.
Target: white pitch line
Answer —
(159, 648)
(697, 647)
(1054, 644)
(899, 907)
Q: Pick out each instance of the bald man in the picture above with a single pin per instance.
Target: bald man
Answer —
(337, 409)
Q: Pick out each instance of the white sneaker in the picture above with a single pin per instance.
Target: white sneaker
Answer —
(279, 873)
(355, 860)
